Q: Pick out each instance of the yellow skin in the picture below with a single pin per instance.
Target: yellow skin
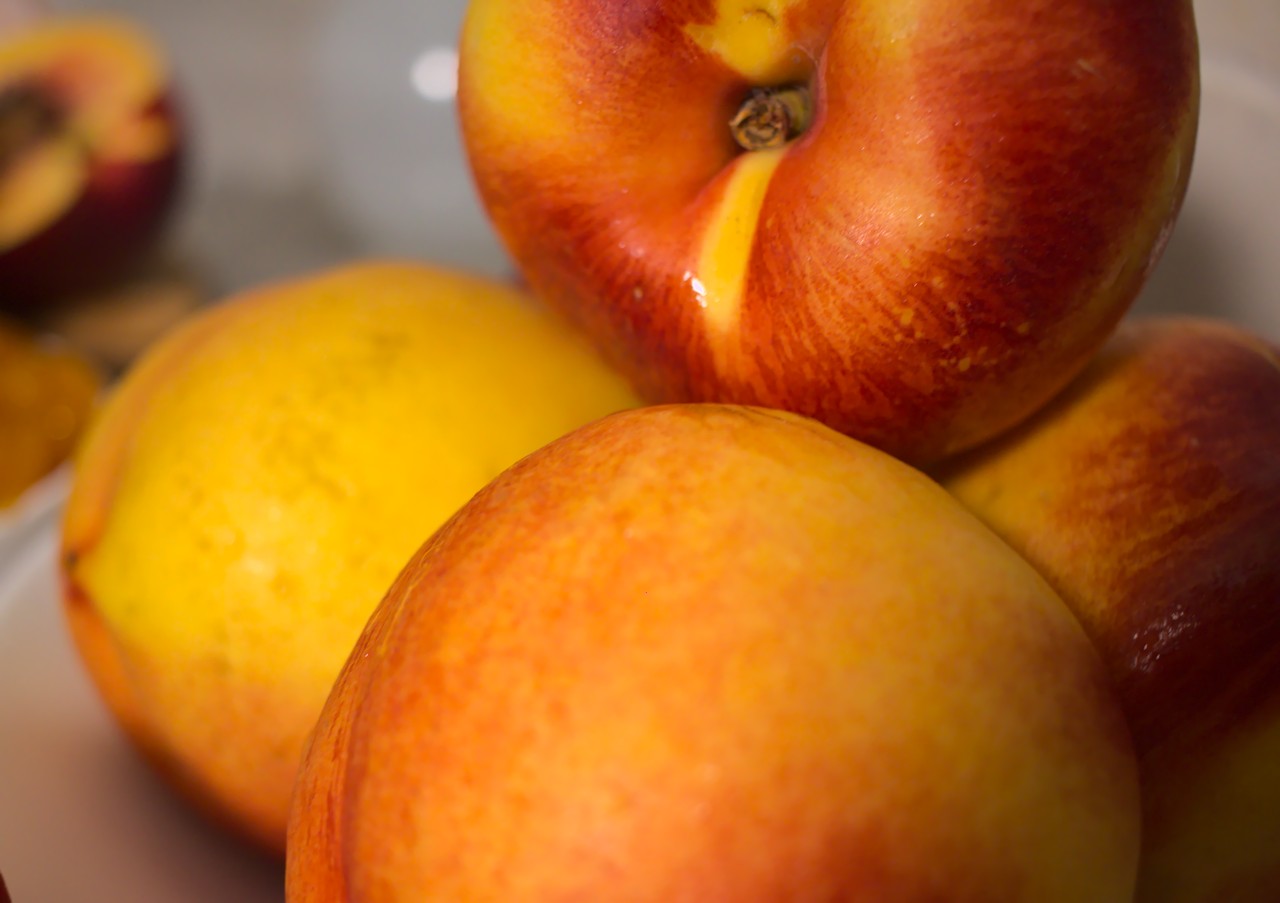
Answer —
(258, 479)
(705, 653)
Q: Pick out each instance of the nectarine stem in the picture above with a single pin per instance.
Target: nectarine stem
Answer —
(770, 117)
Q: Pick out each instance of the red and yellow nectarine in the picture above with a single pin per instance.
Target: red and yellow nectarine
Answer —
(707, 653)
(913, 221)
(1149, 496)
(257, 479)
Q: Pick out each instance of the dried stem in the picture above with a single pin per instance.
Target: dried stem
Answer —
(770, 117)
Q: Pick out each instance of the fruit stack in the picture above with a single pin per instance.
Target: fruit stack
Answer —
(813, 524)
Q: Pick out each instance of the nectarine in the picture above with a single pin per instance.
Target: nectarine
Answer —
(913, 221)
(1149, 496)
(707, 653)
(258, 478)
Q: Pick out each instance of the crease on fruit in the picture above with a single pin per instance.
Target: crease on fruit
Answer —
(719, 279)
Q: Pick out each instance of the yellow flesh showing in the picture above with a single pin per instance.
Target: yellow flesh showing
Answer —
(726, 249)
(37, 188)
(748, 35)
(106, 67)
(102, 76)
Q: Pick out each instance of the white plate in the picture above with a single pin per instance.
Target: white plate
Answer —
(82, 820)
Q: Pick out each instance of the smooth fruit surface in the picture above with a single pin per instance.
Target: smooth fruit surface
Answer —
(261, 475)
(91, 154)
(1149, 496)
(981, 190)
(708, 653)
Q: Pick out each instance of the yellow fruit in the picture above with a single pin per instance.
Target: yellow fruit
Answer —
(261, 475)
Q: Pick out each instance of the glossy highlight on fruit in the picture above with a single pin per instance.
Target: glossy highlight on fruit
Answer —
(982, 190)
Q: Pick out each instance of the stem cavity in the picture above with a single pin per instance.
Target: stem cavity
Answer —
(770, 117)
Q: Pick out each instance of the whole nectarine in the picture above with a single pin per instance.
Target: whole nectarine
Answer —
(259, 477)
(707, 653)
(912, 221)
(91, 153)
(1149, 496)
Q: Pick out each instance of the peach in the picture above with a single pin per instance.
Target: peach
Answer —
(91, 154)
(258, 478)
(712, 653)
(1149, 496)
(913, 221)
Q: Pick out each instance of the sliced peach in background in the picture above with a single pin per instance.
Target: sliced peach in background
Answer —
(91, 154)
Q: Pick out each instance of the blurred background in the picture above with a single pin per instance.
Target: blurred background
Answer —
(321, 130)
(324, 129)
